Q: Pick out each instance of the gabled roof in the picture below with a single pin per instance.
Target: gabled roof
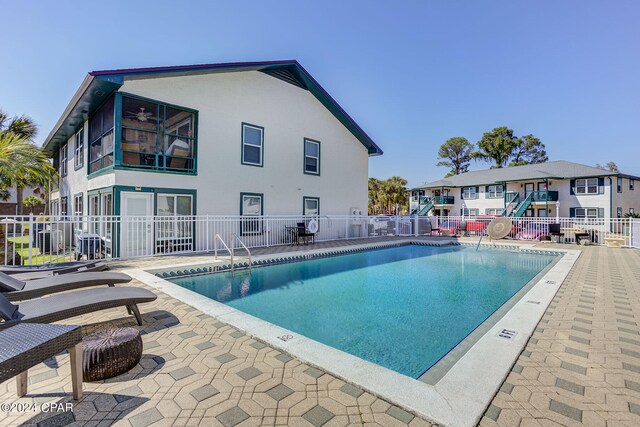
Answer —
(98, 85)
(559, 169)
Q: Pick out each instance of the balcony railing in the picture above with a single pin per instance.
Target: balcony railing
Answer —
(545, 196)
(443, 200)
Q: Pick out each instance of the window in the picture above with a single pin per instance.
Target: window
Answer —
(586, 213)
(55, 207)
(106, 211)
(311, 157)
(495, 192)
(78, 205)
(632, 211)
(468, 212)
(94, 226)
(63, 160)
(619, 184)
(470, 193)
(252, 145)
(542, 213)
(174, 228)
(417, 195)
(632, 184)
(311, 206)
(78, 150)
(63, 206)
(587, 186)
(619, 212)
(157, 136)
(493, 211)
(251, 210)
(101, 137)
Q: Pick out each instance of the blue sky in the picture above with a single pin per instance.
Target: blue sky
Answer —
(411, 73)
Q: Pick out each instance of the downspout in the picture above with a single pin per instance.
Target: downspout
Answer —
(610, 203)
(546, 185)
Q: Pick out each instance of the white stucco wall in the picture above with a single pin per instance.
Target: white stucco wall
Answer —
(76, 180)
(626, 199)
(288, 114)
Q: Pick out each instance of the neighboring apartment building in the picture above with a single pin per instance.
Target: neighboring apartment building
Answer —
(558, 188)
(217, 139)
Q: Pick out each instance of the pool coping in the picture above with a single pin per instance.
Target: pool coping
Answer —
(459, 398)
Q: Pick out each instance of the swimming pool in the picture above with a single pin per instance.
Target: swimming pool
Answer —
(403, 308)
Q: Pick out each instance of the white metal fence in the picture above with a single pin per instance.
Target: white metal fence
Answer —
(31, 240)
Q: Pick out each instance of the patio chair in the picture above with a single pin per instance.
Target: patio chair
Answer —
(462, 229)
(63, 306)
(554, 231)
(15, 290)
(304, 234)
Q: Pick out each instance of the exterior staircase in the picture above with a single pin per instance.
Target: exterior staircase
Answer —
(522, 207)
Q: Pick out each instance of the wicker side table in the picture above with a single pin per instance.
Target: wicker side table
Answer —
(110, 353)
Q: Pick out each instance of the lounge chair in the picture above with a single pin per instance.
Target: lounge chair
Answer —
(14, 289)
(62, 306)
(62, 268)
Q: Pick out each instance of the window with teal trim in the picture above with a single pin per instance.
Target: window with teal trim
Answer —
(101, 126)
(311, 157)
(311, 206)
(252, 145)
(251, 212)
(157, 136)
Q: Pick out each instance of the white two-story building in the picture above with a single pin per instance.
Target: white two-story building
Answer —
(557, 188)
(217, 139)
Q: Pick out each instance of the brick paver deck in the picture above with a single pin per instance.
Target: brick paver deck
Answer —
(582, 365)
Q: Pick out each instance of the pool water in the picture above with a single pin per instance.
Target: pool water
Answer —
(403, 307)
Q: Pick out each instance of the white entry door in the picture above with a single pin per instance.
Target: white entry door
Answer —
(136, 211)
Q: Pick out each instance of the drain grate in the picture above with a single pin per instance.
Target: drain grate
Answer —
(549, 282)
(533, 302)
(506, 334)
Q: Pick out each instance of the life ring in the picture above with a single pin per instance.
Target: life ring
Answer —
(312, 226)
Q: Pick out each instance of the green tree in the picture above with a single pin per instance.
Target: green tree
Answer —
(374, 196)
(609, 166)
(456, 155)
(32, 202)
(395, 192)
(496, 146)
(18, 125)
(22, 164)
(384, 195)
(529, 150)
(503, 148)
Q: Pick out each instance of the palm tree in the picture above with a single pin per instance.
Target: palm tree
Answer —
(18, 125)
(22, 164)
(375, 186)
(384, 195)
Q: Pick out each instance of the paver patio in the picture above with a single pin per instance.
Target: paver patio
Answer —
(581, 365)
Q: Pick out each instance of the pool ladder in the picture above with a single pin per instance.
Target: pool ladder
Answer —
(230, 250)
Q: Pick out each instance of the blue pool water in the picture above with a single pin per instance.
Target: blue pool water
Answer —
(403, 308)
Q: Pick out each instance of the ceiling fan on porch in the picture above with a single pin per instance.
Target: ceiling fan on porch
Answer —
(141, 115)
